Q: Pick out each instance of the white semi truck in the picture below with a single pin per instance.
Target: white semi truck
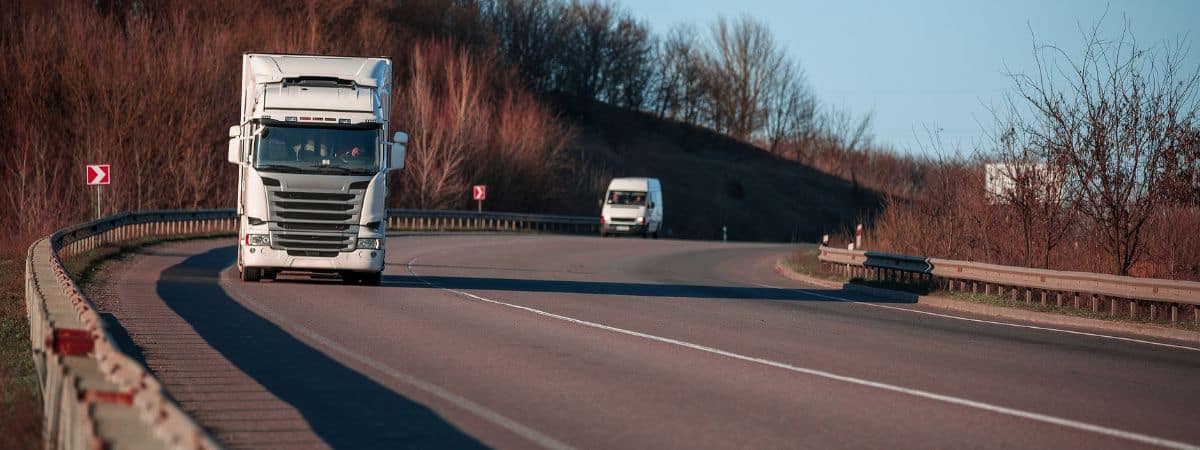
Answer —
(313, 160)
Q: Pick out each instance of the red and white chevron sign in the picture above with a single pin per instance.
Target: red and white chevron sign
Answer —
(479, 192)
(97, 174)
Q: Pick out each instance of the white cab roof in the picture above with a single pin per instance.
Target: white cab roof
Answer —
(633, 184)
(369, 72)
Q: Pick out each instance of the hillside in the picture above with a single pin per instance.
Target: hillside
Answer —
(710, 180)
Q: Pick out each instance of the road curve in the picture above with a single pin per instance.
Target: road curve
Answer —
(519, 341)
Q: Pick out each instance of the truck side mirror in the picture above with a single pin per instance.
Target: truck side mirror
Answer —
(397, 157)
(235, 145)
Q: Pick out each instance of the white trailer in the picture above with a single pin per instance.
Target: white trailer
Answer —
(313, 160)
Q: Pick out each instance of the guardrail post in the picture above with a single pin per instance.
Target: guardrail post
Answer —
(1076, 301)
(1174, 313)
(1153, 311)
(1132, 309)
(1095, 303)
(1112, 306)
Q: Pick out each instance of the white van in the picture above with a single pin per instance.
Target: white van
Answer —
(632, 206)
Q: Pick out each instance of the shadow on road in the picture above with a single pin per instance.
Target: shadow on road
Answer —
(642, 289)
(345, 408)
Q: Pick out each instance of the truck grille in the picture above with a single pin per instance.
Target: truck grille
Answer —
(312, 223)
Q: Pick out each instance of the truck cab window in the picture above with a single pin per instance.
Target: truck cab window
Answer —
(318, 150)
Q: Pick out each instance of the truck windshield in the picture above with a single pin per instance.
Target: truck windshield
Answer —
(626, 198)
(337, 151)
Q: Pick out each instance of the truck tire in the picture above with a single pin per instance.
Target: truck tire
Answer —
(251, 273)
(372, 279)
(269, 274)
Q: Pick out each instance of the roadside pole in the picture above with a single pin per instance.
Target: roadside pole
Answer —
(97, 175)
(479, 193)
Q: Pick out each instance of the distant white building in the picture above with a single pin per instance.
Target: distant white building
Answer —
(1000, 180)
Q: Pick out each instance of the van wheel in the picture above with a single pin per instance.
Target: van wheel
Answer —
(654, 235)
(251, 273)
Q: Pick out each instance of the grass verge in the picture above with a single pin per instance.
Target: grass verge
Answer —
(20, 396)
(805, 262)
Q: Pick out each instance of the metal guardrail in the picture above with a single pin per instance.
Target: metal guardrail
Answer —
(413, 219)
(95, 395)
(1110, 293)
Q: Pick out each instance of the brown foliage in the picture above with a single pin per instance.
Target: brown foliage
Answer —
(467, 131)
(152, 89)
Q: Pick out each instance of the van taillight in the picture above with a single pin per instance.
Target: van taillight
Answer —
(601, 220)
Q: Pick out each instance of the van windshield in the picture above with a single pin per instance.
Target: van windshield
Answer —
(626, 198)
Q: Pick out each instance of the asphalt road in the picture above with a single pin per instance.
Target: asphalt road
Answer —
(524, 341)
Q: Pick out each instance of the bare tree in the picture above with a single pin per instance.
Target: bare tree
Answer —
(743, 62)
(678, 90)
(605, 54)
(529, 35)
(1122, 118)
(790, 109)
(1032, 182)
(443, 113)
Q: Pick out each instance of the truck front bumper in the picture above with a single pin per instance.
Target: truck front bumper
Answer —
(269, 258)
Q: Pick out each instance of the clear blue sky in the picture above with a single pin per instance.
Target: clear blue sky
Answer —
(930, 64)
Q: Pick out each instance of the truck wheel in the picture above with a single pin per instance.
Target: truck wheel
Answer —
(269, 274)
(372, 279)
(350, 278)
(251, 273)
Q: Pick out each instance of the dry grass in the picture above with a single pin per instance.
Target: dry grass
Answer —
(20, 402)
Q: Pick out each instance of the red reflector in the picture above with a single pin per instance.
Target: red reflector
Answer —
(72, 342)
(120, 398)
(306, 118)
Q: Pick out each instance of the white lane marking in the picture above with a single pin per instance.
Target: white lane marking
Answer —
(991, 322)
(1068, 423)
(422, 385)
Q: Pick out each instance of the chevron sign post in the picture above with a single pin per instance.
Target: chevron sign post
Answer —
(97, 175)
(479, 193)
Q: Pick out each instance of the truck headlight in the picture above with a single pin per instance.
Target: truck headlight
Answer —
(372, 244)
(641, 220)
(258, 239)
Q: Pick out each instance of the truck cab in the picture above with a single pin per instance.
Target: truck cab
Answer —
(632, 206)
(313, 156)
